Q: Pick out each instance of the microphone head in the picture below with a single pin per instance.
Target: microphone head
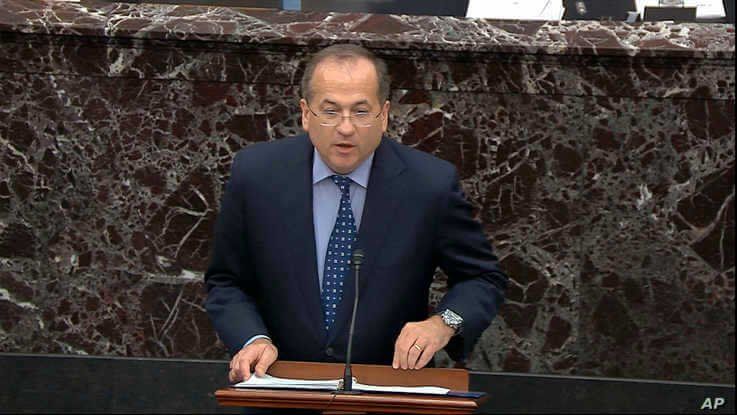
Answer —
(357, 258)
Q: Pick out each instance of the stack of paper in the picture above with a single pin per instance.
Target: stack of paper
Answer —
(273, 382)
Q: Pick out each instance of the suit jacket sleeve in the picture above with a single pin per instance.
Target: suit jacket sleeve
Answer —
(476, 285)
(230, 301)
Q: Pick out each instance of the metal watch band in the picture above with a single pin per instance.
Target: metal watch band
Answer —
(452, 320)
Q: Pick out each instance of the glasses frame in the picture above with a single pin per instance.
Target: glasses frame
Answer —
(342, 117)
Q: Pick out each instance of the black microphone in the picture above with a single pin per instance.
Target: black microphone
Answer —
(357, 261)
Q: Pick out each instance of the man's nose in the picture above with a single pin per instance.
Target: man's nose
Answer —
(345, 126)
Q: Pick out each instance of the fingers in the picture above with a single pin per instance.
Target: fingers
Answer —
(267, 358)
(400, 349)
(258, 356)
(414, 354)
(402, 346)
(240, 367)
(412, 348)
(425, 358)
(233, 373)
(418, 342)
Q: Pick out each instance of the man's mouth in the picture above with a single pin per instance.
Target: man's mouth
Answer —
(345, 146)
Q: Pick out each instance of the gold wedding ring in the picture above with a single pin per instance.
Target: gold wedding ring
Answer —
(417, 346)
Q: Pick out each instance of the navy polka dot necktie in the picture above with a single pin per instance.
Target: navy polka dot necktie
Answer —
(338, 256)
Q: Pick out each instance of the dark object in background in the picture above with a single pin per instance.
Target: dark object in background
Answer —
(416, 7)
(598, 9)
(676, 14)
(729, 10)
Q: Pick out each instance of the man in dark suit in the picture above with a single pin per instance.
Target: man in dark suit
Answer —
(294, 210)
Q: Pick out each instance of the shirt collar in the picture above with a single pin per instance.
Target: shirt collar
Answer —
(321, 171)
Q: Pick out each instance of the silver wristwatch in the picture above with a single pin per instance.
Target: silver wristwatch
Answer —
(452, 320)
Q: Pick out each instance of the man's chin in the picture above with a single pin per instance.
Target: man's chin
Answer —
(344, 170)
(343, 165)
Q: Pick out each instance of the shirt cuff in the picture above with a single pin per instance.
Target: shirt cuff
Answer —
(254, 338)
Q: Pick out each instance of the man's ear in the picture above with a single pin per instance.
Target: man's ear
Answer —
(305, 114)
(385, 119)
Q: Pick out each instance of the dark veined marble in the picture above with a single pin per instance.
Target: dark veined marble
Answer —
(599, 157)
(232, 25)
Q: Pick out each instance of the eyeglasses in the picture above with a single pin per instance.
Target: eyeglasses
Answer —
(332, 118)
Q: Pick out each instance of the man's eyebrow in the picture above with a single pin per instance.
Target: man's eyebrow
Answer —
(329, 102)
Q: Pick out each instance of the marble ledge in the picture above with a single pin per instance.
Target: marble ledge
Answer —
(449, 34)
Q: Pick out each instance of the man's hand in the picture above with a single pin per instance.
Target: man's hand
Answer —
(418, 342)
(258, 356)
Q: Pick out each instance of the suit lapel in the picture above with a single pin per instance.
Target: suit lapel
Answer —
(382, 196)
(297, 213)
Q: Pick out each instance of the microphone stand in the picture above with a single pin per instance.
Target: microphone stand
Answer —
(347, 384)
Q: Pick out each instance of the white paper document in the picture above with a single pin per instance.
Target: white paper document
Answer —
(705, 9)
(516, 9)
(272, 382)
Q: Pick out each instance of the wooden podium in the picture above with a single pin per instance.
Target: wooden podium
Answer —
(332, 402)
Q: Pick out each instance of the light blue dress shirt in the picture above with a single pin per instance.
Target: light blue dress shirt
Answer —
(326, 199)
(325, 202)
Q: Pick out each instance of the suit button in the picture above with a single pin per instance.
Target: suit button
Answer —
(329, 351)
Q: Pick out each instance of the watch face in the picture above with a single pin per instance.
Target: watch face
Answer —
(452, 319)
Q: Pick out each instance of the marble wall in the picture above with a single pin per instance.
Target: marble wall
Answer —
(600, 158)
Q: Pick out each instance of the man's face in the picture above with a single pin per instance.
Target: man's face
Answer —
(346, 87)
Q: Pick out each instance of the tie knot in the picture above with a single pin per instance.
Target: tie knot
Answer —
(343, 183)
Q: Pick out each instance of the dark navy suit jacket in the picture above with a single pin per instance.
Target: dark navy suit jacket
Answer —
(263, 276)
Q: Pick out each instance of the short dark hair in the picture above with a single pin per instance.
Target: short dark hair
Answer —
(346, 52)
